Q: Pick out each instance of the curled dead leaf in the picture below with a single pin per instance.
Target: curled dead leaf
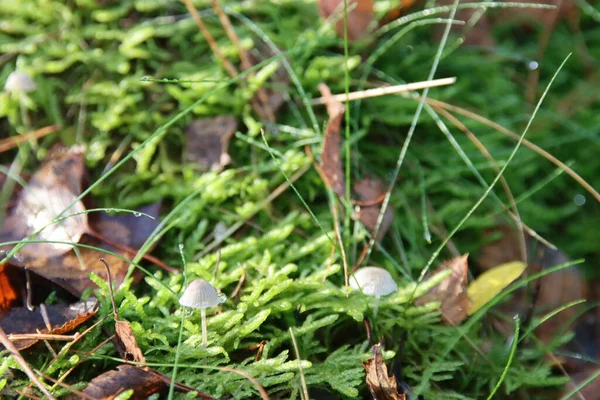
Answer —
(55, 319)
(452, 292)
(47, 195)
(128, 347)
(208, 140)
(142, 381)
(71, 270)
(371, 192)
(331, 162)
(381, 386)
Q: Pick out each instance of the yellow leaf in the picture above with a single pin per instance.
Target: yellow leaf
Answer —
(491, 282)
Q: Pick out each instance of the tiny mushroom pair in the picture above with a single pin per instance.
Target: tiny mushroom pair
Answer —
(201, 294)
(373, 281)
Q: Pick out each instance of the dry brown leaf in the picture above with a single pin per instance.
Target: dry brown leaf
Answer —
(61, 318)
(452, 292)
(71, 270)
(331, 162)
(553, 290)
(143, 381)
(128, 347)
(371, 193)
(208, 140)
(381, 386)
(108, 385)
(361, 16)
(49, 192)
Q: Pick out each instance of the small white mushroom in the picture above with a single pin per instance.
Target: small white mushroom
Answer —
(20, 83)
(373, 281)
(201, 294)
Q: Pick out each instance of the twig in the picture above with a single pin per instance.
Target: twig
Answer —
(19, 358)
(13, 141)
(85, 357)
(15, 337)
(261, 390)
(300, 370)
(231, 70)
(526, 143)
(70, 388)
(483, 150)
(132, 251)
(263, 103)
(382, 91)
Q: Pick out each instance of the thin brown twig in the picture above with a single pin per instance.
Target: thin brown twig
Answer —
(231, 70)
(382, 91)
(29, 396)
(13, 141)
(300, 370)
(131, 250)
(261, 390)
(263, 103)
(85, 357)
(21, 361)
(15, 337)
(68, 387)
(513, 135)
(240, 284)
(483, 150)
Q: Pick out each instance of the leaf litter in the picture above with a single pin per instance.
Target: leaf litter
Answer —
(49, 192)
(208, 141)
(452, 292)
(380, 384)
(54, 319)
(331, 162)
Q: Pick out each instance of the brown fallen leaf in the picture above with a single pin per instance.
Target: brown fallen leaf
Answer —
(47, 195)
(331, 162)
(371, 193)
(143, 381)
(208, 140)
(71, 270)
(545, 294)
(452, 292)
(381, 386)
(125, 339)
(55, 319)
(361, 16)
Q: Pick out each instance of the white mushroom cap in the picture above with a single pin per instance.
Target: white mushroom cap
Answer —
(19, 82)
(373, 281)
(201, 294)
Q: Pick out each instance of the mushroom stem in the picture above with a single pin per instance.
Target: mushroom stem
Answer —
(204, 333)
(24, 113)
(376, 308)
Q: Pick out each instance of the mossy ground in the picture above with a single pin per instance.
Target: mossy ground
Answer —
(92, 60)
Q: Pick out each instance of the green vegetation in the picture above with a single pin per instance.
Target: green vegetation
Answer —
(99, 67)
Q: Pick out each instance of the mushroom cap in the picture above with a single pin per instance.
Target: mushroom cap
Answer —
(373, 281)
(19, 82)
(201, 294)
